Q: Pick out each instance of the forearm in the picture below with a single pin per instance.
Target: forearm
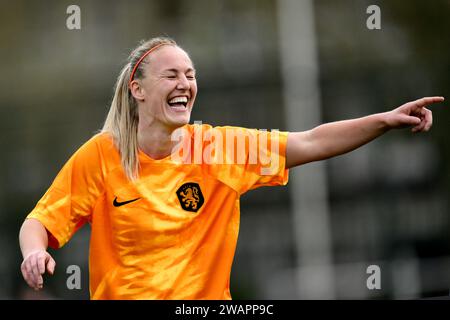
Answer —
(336, 138)
(32, 237)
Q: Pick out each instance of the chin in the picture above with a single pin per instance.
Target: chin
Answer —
(181, 121)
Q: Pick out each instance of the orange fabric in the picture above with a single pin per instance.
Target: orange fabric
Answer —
(153, 248)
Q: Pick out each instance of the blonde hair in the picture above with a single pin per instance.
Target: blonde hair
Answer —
(123, 117)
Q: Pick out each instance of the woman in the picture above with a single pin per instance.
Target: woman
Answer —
(164, 215)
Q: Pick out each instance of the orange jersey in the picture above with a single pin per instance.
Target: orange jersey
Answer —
(172, 233)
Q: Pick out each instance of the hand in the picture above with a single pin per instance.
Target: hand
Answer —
(34, 266)
(414, 114)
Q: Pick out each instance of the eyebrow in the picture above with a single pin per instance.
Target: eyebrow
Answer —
(176, 70)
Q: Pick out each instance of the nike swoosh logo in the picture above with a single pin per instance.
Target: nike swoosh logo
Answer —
(118, 204)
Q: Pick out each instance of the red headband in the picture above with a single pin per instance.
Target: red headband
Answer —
(142, 58)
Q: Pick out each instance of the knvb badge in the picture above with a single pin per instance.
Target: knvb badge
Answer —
(190, 196)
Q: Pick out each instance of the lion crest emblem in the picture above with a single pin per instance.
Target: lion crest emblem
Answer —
(190, 196)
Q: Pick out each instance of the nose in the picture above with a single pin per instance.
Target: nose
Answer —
(183, 83)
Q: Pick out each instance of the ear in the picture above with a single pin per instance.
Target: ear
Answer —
(137, 91)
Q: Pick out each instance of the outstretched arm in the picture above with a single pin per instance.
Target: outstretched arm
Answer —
(336, 138)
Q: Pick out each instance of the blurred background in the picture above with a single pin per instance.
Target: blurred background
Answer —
(267, 64)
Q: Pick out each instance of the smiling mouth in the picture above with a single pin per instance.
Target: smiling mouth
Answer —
(179, 103)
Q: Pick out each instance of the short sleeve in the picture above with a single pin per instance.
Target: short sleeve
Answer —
(250, 158)
(68, 203)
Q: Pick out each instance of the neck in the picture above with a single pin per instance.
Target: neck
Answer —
(155, 141)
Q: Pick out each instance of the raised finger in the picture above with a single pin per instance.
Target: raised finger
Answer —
(420, 103)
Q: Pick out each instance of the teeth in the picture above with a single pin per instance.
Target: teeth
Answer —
(178, 100)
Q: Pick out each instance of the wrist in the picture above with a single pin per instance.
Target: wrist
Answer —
(28, 253)
(384, 121)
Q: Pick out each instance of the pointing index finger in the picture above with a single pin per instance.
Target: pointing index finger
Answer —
(420, 103)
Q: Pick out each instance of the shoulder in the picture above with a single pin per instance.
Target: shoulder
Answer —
(102, 139)
(97, 148)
